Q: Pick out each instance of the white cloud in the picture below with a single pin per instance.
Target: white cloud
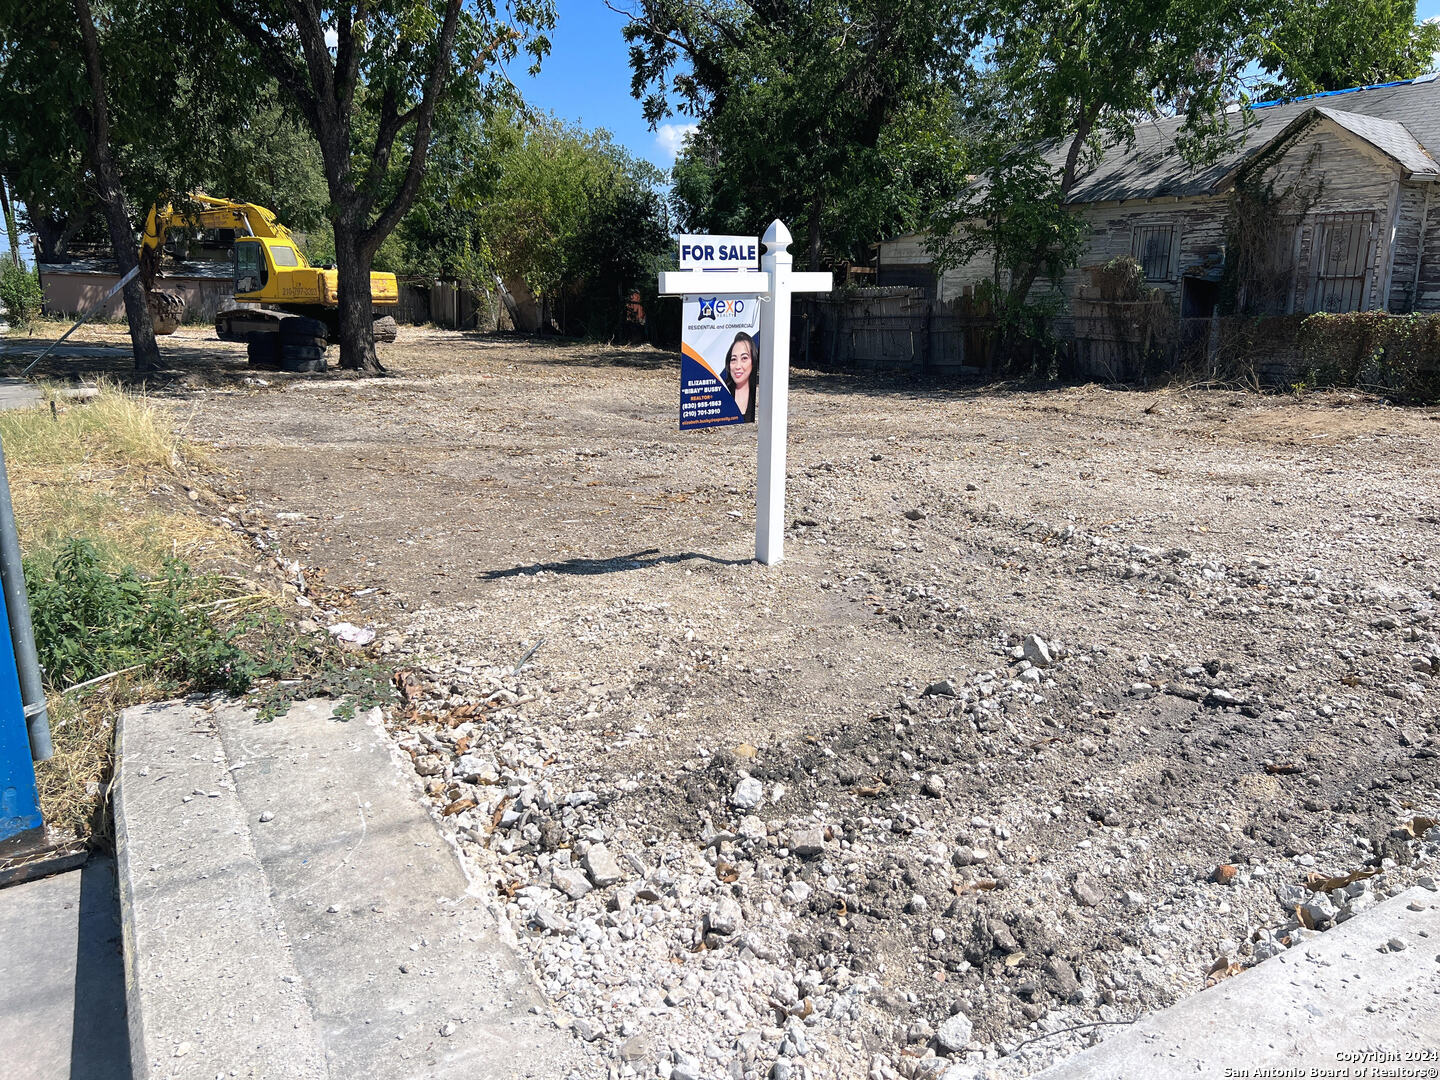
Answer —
(332, 38)
(671, 138)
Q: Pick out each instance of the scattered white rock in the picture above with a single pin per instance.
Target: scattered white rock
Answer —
(749, 793)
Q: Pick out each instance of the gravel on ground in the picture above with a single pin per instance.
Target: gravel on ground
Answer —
(1064, 703)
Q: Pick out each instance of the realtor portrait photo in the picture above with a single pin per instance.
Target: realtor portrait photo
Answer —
(741, 374)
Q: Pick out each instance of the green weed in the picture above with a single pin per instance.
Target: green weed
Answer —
(20, 294)
(91, 620)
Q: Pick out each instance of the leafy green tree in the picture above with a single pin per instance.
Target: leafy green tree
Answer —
(58, 122)
(370, 99)
(916, 168)
(106, 111)
(572, 215)
(1059, 79)
(444, 233)
(20, 294)
(797, 101)
(1337, 44)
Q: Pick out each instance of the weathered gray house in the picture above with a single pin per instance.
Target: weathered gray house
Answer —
(1353, 223)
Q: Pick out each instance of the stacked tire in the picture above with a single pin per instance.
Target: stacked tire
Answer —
(264, 351)
(302, 344)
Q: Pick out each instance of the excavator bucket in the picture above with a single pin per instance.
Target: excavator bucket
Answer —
(167, 309)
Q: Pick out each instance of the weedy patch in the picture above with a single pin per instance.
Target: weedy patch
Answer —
(111, 467)
(103, 492)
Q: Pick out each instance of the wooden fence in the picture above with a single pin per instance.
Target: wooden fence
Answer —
(448, 306)
(895, 329)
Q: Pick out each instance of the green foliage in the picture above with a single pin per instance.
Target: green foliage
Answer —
(1016, 218)
(1399, 354)
(1057, 80)
(567, 212)
(1122, 278)
(20, 294)
(91, 620)
(186, 112)
(442, 236)
(1337, 44)
(563, 203)
(300, 668)
(286, 667)
(375, 83)
(831, 115)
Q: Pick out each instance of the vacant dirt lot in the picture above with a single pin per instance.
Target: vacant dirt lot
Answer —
(955, 852)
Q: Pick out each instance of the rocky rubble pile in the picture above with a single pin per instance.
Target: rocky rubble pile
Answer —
(835, 911)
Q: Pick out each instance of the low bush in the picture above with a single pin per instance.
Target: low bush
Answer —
(20, 294)
(1399, 354)
(92, 620)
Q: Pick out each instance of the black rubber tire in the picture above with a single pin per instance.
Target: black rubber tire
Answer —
(386, 328)
(301, 352)
(297, 328)
(307, 342)
(264, 352)
(299, 365)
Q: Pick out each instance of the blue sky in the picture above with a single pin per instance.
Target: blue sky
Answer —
(586, 80)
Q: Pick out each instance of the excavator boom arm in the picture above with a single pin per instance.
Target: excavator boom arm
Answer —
(253, 220)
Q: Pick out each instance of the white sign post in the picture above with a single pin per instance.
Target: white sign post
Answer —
(774, 282)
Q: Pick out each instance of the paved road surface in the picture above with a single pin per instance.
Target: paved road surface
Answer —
(62, 981)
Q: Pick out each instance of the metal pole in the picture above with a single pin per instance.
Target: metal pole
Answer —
(17, 607)
(773, 409)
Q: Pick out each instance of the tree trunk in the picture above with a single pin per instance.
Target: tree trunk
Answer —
(112, 199)
(12, 232)
(357, 319)
(1025, 277)
(49, 240)
(52, 237)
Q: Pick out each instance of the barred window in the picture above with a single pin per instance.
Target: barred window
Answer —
(1340, 261)
(1152, 247)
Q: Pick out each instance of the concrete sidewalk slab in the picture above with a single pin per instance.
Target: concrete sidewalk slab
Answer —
(371, 958)
(416, 977)
(19, 394)
(62, 983)
(1318, 1006)
(212, 985)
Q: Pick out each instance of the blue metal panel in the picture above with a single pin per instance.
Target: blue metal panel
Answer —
(19, 801)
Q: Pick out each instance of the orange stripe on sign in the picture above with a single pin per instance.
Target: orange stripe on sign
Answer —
(693, 355)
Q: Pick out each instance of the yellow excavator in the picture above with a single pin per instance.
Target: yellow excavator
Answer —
(301, 312)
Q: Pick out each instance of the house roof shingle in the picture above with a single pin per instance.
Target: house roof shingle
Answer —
(1402, 120)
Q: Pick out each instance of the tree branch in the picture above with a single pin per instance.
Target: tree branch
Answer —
(306, 17)
(347, 56)
(275, 60)
(382, 226)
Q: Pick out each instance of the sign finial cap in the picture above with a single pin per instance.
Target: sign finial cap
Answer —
(777, 236)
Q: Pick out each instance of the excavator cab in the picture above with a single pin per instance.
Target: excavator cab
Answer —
(251, 272)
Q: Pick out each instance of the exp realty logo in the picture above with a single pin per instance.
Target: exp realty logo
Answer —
(717, 308)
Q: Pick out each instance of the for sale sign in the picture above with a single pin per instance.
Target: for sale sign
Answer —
(720, 361)
(719, 253)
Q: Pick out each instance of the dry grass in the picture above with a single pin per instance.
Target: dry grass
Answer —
(111, 468)
(105, 467)
(72, 783)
